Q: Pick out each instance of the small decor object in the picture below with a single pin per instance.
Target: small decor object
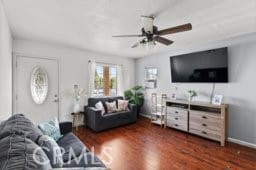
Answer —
(173, 96)
(191, 94)
(217, 99)
(76, 93)
(39, 85)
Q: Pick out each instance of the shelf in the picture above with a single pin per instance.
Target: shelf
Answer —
(158, 113)
(160, 105)
(158, 122)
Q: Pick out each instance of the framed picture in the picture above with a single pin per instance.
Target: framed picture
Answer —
(217, 99)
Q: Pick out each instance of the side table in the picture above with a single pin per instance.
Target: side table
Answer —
(76, 117)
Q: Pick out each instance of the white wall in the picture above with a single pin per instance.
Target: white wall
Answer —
(5, 66)
(239, 93)
(74, 67)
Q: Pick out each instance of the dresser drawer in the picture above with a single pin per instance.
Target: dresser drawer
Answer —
(214, 135)
(176, 110)
(179, 117)
(204, 115)
(178, 124)
(205, 121)
(173, 112)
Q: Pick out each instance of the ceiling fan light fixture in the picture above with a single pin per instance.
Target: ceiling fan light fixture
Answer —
(152, 35)
(147, 24)
(151, 44)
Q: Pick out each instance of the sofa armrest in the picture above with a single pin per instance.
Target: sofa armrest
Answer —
(93, 116)
(94, 113)
(133, 108)
(65, 127)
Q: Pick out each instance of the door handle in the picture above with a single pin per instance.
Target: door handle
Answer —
(56, 100)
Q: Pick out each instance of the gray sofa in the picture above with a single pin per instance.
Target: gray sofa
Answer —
(19, 148)
(97, 122)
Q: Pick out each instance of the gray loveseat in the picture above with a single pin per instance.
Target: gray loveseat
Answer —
(19, 148)
(97, 122)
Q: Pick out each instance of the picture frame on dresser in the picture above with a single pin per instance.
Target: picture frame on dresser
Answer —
(217, 99)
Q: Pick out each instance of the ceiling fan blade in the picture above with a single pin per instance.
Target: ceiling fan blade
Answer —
(162, 40)
(121, 36)
(180, 28)
(136, 45)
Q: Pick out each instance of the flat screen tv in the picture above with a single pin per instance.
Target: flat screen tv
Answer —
(201, 67)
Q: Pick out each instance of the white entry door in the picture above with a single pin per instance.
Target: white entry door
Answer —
(24, 102)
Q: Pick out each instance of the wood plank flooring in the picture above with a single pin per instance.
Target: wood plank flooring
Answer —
(142, 146)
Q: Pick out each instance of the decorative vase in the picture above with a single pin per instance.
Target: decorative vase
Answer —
(76, 108)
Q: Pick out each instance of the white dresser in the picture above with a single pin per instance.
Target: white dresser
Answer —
(203, 119)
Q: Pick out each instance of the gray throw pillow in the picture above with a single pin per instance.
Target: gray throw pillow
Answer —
(18, 152)
(52, 150)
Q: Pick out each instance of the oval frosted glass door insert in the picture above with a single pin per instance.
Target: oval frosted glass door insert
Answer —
(39, 85)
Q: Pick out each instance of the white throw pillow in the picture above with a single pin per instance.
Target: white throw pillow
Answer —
(122, 105)
(100, 106)
(111, 106)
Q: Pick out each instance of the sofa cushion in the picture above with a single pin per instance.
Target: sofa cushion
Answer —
(99, 105)
(111, 106)
(92, 101)
(19, 124)
(71, 146)
(118, 114)
(52, 150)
(51, 129)
(122, 105)
(19, 152)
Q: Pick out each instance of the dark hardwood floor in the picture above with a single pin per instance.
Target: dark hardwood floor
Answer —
(145, 146)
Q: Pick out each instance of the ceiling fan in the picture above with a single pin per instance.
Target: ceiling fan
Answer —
(151, 33)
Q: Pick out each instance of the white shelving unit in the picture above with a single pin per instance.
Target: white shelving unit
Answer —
(158, 106)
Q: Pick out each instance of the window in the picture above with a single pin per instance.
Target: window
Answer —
(105, 82)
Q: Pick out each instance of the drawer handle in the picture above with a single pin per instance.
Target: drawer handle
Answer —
(176, 112)
(204, 124)
(204, 117)
(176, 125)
(176, 118)
(203, 132)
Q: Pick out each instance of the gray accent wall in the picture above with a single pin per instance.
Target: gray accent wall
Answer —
(239, 93)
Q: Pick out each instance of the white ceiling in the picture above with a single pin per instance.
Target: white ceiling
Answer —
(90, 24)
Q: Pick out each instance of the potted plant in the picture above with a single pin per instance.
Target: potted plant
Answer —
(135, 96)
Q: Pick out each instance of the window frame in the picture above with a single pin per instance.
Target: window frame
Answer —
(96, 93)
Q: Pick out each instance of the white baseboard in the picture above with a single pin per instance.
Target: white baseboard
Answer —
(145, 115)
(240, 142)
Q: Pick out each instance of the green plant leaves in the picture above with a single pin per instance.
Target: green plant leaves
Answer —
(137, 88)
(135, 96)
